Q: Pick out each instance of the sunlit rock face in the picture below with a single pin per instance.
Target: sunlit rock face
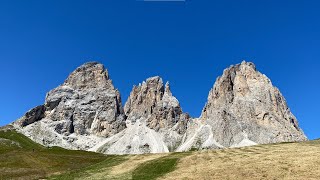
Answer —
(155, 121)
(244, 108)
(85, 112)
(85, 104)
(153, 101)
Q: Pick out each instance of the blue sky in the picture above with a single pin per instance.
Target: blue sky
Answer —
(187, 43)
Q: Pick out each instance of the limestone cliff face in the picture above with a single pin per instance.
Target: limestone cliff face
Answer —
(155, 121)
(85, 112)
(85, 104)
(154, 102)
(244, 107)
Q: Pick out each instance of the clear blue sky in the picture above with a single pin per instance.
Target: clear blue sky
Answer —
(188, 43)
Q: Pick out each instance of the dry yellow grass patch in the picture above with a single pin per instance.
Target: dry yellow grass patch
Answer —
(278, 161)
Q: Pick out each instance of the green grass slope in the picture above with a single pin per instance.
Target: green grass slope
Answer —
(90, 171)
(158, 167)
(21, 158)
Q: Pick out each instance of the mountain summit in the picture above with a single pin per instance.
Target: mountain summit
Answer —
(243, 109)
(86, 113)
(155, 121)
(79, 113)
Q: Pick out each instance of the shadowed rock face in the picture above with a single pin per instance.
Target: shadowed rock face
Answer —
(33, 115)
(244, 105)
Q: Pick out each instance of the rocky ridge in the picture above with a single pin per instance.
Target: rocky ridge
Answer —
(86, 112)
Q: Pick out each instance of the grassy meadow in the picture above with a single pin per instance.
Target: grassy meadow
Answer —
(21, 158)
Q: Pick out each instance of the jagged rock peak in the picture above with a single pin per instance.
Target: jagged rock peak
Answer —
(244, 105)
(249, 64)
(144, 97)
(243, 64)
(85, 106)
(167, 89)
(155, 122)
(153, 101)
(89, 75)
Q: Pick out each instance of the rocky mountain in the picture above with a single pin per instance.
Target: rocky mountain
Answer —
(155, 121)
(243, 109)
(154, 102)
(85, 112)
(78, 114)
